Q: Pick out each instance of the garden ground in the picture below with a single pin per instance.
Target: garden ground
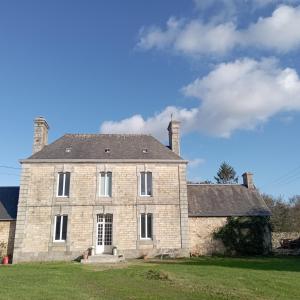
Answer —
(197, 278)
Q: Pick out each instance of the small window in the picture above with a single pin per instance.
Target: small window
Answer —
(68, 149)
(146, 226)
(63, 189)
(105, 184)
(146, 184)
(60, 228)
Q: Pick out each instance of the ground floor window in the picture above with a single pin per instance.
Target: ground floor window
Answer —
(146, 226)
(60, 228)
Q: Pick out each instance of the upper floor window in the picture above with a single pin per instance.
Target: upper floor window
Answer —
(63, 187)
(146, 226)
(60, 228)
(105, 184)
(146, 184)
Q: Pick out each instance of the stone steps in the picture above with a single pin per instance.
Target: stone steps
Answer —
(103, 259)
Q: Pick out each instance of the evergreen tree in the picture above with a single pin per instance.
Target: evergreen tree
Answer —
(226, 174)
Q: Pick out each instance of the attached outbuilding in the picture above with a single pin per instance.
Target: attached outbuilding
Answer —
(209, 206)
(9, 197)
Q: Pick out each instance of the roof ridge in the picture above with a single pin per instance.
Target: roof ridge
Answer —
(107, 134)
(217, 184)
(10, 186)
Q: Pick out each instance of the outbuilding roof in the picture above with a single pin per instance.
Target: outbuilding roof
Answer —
(106, 146)
(9, 197)
(221, 200)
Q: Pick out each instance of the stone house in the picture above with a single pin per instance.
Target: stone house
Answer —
(119, 190)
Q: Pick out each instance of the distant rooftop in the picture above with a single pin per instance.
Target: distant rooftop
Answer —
(9, 197)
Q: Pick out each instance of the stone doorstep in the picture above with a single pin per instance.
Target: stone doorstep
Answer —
(103, 259)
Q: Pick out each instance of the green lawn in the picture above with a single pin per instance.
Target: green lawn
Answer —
(201, 278)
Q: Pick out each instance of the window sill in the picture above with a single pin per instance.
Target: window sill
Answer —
(58, 244)
(145, 241)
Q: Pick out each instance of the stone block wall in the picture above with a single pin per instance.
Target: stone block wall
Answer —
(7, 235)
(38, 205)
(201, 231)
(277, 236)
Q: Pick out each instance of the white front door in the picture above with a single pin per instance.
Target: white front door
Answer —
(104, 233)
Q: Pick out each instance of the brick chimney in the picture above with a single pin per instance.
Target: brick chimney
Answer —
(248, 180)
(40, 138)
(174, 136)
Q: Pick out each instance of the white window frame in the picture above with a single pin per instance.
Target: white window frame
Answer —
(64, 185)
(146, 184)
(146, 227)
(106, 188)
(60, 229)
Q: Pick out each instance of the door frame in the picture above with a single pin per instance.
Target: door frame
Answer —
(104, 241)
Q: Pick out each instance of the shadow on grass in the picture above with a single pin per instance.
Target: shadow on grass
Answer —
(290, 264)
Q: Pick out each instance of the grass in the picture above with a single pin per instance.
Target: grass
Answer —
(199, 278)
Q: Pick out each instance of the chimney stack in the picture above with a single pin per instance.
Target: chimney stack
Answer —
(174, 136)
(248, 180)
(40, 139)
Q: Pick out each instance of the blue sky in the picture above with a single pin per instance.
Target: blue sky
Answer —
(227, 69)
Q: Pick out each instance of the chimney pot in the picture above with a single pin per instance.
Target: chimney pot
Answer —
(40, 139)
(174, 136)
(248, 180)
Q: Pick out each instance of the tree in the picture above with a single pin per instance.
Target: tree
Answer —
(285, 214)
(226, 174)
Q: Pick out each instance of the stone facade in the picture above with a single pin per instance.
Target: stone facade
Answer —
(201, 231)
(38, 205)
(7, 235)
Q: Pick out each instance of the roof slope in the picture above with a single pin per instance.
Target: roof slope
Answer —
(9, 198)
(92, 146)
(225, 200)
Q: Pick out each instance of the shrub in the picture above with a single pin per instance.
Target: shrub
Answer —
(246, 235)
(157, 275)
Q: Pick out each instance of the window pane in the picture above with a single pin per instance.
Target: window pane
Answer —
(67, 184)
(109, 184)
(60, 183)
(149, 226)
(64, 228)
(57, 228)
(102, 184)
(149, 183)
(143, 226)
(143, 191)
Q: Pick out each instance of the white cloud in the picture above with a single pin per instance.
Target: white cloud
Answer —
(244, 94)
(196, 162)
(278, 32)
(231, 6)
(156, 125)
(233, 96)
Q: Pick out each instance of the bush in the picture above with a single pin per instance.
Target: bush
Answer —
(246, 235)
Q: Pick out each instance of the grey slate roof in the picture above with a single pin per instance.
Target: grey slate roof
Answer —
(213, 200)
(92, 146)
(9, 197)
